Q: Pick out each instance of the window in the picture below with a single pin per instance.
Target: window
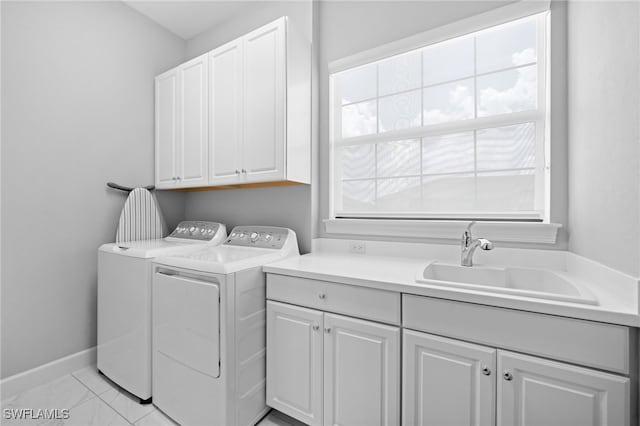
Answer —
(453, 129)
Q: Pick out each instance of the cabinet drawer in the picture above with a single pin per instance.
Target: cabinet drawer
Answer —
(362, 302)
(593, 344)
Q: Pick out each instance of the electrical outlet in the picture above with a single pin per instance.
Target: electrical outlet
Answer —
(359, 247)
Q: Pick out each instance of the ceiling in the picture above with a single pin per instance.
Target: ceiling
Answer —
(187, 19)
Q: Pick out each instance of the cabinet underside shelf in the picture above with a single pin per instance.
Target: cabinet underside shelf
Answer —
(238, 186)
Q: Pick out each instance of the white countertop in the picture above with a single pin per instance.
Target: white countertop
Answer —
(617, 293)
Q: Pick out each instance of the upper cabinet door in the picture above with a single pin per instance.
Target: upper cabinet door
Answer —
(166, 128)
(447, 382)
(294, 361)
(534, 391)
(361, 372)
(193, 114)
(225, 113)
(264, 103)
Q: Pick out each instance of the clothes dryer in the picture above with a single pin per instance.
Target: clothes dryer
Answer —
(209, 328)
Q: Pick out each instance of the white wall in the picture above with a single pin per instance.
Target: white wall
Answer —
(347, 28)
(276, 206)
(286, 206)
(604, 132)
(77, 105)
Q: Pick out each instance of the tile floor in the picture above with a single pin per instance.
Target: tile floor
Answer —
(93, 400)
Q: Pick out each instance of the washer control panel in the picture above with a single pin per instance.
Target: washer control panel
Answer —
(195, 230)
(258, 236)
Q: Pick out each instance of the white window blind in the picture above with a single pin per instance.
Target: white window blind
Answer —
(454, 129)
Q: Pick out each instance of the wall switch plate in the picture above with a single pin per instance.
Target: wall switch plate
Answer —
(359, 247)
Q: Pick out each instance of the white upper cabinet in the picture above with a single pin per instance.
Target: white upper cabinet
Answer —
(536, 391)
(182, 125)
(193, 121)
(241, 113)
(225, 114)
(264, 103)
(166, 128)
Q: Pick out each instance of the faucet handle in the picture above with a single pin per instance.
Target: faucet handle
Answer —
(485, 244)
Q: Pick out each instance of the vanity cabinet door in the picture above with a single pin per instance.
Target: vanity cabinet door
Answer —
(361, 372)
(166, 128)
(447, 382)
(537, 392)
(294, 361)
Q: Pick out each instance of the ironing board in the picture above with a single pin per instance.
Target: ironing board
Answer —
(141, 218)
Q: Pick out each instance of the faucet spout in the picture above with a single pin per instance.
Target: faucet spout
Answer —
(468, 246)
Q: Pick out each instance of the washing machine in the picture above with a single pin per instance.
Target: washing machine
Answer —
(209, 328)
(124, 301)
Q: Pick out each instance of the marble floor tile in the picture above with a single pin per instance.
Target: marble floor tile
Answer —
(276, 418)
(156, 418)
(94, 412)
(63, 393)
(112, 407)
(127, 406)
(90, 377)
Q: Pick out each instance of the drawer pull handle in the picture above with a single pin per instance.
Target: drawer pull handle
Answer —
(486, 371)
(322, 296)
(316, 327)
(327, 330)
(507, 376)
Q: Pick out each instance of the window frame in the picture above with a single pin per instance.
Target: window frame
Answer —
(540, 116)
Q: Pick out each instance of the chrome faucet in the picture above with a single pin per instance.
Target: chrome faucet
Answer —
(468, 246)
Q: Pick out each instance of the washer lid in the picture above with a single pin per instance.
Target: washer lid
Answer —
(223, 259)
(150, 248)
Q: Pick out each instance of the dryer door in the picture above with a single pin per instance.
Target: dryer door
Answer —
(186, 322)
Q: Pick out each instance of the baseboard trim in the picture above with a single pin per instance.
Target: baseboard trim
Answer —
(45, 373)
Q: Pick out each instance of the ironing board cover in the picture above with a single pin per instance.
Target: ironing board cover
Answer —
(141, 218)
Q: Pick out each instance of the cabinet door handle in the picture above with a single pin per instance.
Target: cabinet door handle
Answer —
(327, 330)
(486, 370)
(507, 376)
(237, 171)
(244, 171)
(322, 296)
(316, 327)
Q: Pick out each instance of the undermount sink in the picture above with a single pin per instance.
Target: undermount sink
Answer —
(527, 282)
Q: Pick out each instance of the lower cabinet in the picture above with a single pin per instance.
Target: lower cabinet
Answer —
(537, 392)
(450, 382)
(294, 361)
(447, 382)
(327, 369)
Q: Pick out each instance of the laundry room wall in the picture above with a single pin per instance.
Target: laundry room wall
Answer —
(77, 104)
(288, 206)
(604, 132)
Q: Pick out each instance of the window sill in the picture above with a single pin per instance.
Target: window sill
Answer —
(511, 232)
